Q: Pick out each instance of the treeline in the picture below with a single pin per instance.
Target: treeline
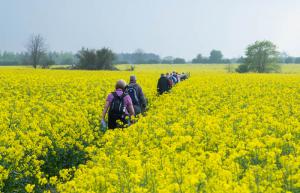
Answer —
(69, 58)
(290, 60)
(37, 55)
(12, 59)
(140, 57)
(215, 57)
(23, 58)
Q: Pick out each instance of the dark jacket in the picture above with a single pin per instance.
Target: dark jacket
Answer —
(163, 85)
(141, 97)
(183, 77)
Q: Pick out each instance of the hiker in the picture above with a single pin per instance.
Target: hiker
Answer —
(170, 79)
(183, 76)
(119, 107)
(163, 84)
(137, 96)
(174, 78)
(178, 77)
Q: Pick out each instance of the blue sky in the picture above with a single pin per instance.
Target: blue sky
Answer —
(180, 28)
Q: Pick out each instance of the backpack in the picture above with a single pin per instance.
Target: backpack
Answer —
(117, 107)
(174, 79)
(132, 91)
(171, 80)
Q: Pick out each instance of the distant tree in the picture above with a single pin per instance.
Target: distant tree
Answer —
(96, 59)
(46, 62)
(139, 51)
(36, 49)
(152, 61)
(9, 58)
(297, 60)
(215, 56)
(282, 57)
(289, 60)
(117, 61)
(225, 61)
(87, 59)
(67, 58)
(138, 57)
(198, 60)
(24, 58)
(63, 58)
(261, 57)
(240, 60)
(167, 60)
(242, 68)
(179, 61)
(104, 59)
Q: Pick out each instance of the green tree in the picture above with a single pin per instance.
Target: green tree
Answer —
(96, 59)
(87, 59)
(297, 60)
(167, 60)
(289, 60)
(179, 61)
(104, 59)
(261, 57)
(215, 56)
(199, 59)
(47, 61)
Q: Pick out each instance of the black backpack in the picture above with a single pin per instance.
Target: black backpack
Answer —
(117, 107)
(132, 91)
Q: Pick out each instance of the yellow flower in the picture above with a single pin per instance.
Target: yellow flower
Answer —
(29, 187)
(215, 132)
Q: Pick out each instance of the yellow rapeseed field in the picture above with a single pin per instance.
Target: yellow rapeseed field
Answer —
(216, 132)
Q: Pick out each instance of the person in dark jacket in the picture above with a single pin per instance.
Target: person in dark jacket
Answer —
(137, 96)
(163, 84)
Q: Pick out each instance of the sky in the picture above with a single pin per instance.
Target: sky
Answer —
(179, 28)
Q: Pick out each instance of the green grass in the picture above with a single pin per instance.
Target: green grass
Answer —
(290, 68)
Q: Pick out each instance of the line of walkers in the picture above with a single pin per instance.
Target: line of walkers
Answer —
(128, 101)
(168, 80)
